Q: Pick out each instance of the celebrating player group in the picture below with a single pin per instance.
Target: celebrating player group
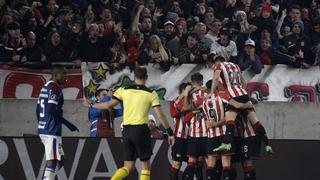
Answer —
(214, 125)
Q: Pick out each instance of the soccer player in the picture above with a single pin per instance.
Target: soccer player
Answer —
(251, 147)
(214, 110)
(50, 119)
(137, 101)
(234, 83)
(102, 120)
(179, 149)
(196, 149)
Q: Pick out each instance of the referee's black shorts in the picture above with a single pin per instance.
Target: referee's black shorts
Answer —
(137, 142)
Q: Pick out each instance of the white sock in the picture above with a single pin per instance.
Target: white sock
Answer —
(49, 173)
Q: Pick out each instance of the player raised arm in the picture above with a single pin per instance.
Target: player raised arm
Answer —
(215, 81)
(187, 105)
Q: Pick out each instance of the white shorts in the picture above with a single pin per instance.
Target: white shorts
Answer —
(53, 146)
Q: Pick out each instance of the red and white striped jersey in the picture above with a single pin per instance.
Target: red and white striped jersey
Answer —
(213, 108)
(180, 128)
(197, 127)
(231, 78)
(247, 128)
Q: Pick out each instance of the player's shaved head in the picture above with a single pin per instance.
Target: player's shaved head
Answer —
(57, 69)
(141, 73)
(58, 74)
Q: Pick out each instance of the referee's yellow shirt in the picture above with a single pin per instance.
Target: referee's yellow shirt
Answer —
(137, 101)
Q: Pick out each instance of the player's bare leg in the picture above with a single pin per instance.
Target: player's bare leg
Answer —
(123, 172)
(211, 172)
(189, 172)
(227, 169)
(249, 172)
(230, 123)
(259, 130)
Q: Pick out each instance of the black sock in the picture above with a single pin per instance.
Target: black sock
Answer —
(249, 173)
(259, 130)
(218, 168)
(174, 173)
(211, 174)
(198, 172)
(188, 173)
(227, 173)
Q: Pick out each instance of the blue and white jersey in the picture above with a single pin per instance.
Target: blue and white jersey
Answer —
(96, 115)
(49, 109)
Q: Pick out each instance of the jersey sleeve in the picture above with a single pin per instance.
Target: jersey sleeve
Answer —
(118, 95)
(154, 99)
(53, 94)
(217, 67)
(174, 112)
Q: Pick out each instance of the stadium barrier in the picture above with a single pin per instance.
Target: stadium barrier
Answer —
(95, 158)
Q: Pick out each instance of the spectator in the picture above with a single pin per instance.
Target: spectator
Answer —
(102, 120)
(269, 56)
(298, 45)
(33, 52)
(169, 32)
(192, 51)
(134, 47)
(265, 19)
(315, 40)
(54, 50)
(201, 30)
(157, 54)
(12, 47)
(107, 20)
(209, 17)
(224, 46)
(174, 44)
(213, 33)
(249, 59)
(92, 46)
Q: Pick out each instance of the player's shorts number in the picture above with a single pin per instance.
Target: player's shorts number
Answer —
(42, 108)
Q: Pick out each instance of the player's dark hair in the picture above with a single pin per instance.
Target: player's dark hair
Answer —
(209, 84)
(97, 93)
(182, 86)
(196, 78)
(219, 58)
(141, 73)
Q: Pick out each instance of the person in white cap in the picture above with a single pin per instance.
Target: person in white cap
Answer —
(249, 59)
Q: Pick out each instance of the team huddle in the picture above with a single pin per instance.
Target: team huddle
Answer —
(216, 125)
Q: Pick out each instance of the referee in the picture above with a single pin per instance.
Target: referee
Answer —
(137, 101)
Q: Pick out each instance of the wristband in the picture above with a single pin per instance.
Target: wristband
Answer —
(169, 131)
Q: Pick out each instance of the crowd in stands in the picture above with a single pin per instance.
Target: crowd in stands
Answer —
(251, 33)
